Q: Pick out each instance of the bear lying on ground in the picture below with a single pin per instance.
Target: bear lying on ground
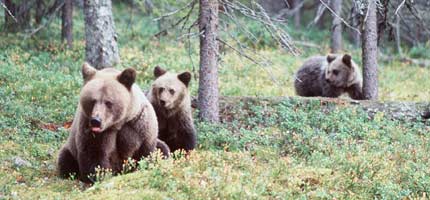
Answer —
(172, 103)
(329, 76)
(113, 122)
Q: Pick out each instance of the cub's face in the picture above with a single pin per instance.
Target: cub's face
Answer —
(105, 96)
(169, 89)
(339, 70)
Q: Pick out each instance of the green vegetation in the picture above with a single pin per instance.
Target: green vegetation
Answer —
(268, 151)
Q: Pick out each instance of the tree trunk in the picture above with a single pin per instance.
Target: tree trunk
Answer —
(355, 20)
(39, 12)
(101, 48)
(336, 29)
(398, 37)
(208, 73)
(320, 23)
(20, 18)
(298, 14)
(369, 52)
(9, 14)
(67, 23)
(78, 3)
(149, 7)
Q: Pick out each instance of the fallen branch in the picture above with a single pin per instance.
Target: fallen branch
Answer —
(320, 12)
(182, 20)
(341, 19)
(50, 18)
(422, 63)
(176, 11)
(403, 111)
(289, 11)
(307, 44)
(8, 12)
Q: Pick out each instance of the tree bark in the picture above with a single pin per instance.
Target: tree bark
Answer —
(298, 14)
(321, 14)
(355, 20)
(67, 23)
(21, 12)
(398, 37)
(101, 48)
(369, 53)
(149, 7)
(39, 12)
(9, 13)
(208, 73)
(336, 29)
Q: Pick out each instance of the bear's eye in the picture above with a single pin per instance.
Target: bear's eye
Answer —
(160, 90)
(335, 72)
(92, 102)
(172, 91)
(108, 104)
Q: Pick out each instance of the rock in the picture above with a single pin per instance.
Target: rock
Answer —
(51, 167)
(14, 195)
(19, 162)
(109, 185)
(50, 152)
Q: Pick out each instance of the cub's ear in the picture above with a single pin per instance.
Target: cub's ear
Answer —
(127, 77)
(88, 72)
(185, 77)
(330, 58)
(347, 60)
(158, 71)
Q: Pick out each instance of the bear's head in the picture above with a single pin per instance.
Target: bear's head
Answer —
(169, 89)
(106, 96)
(341, 71)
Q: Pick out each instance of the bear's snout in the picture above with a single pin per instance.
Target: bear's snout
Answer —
(162, 102)
(96, 124)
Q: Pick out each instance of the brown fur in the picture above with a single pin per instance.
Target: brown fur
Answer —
(127, 128)
(170, 98)
(329, 76)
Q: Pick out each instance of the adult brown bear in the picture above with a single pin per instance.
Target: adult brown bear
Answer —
(113, 122)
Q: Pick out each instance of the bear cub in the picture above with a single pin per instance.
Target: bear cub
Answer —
(172, 103)
(114, 121)
(329, 76)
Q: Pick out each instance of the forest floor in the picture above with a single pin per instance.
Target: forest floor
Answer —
(298, 151)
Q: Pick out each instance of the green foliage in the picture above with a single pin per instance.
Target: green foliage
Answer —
(420, 51)
(260, 37)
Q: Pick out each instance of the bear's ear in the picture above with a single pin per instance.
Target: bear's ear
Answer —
(330, 58)
(88, 72)
(347, 60)
(127, 77)
(158, 71)
(185, 77)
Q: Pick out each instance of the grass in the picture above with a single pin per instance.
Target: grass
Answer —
(289, 150)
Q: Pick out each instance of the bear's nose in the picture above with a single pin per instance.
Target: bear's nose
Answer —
(95, 122)
(162, 102)
(327, 80)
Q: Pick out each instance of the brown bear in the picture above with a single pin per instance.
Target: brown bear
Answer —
(172, 103)
(329, 76)
(113, 122)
